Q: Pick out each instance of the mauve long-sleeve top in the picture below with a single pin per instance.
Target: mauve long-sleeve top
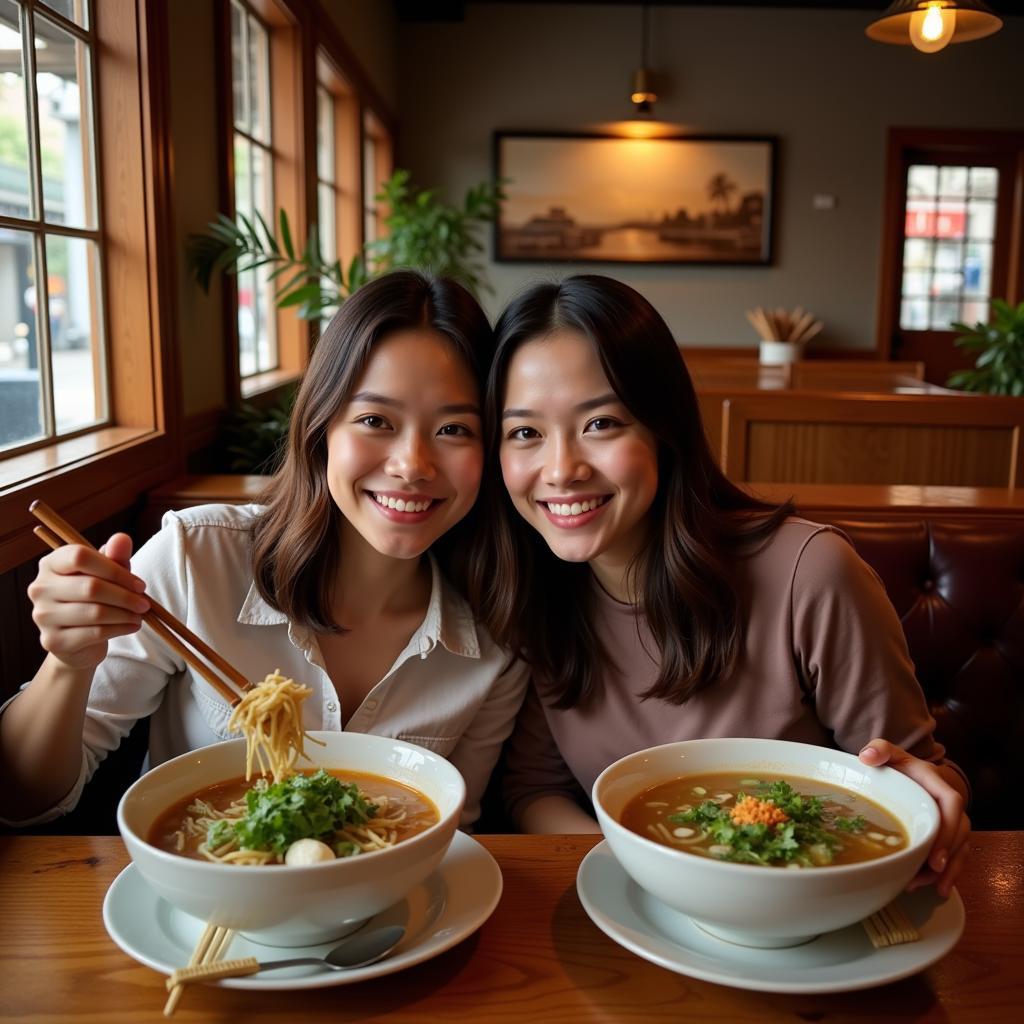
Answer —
(823, 660)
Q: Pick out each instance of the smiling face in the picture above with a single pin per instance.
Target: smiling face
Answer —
(405, 453)
(579, 467)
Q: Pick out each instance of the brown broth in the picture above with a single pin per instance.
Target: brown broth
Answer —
(420, 811)
(649, 812)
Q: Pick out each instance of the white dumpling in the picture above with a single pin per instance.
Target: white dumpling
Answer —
(308, 851)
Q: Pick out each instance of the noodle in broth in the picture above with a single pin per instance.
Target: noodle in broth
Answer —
(232, 823)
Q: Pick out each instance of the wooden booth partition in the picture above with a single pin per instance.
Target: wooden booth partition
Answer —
(927, 439)
(717, 379)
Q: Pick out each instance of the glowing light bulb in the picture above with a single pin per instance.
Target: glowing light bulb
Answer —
(931, 29)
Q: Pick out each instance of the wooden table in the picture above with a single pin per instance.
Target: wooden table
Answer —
(539, 958)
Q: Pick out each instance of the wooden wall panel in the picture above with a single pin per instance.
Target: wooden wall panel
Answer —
(821, 437)
(879, 454)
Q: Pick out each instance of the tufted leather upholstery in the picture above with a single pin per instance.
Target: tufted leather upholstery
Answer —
(958, 587)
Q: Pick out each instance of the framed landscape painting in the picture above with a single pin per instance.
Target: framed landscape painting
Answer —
(608, 199)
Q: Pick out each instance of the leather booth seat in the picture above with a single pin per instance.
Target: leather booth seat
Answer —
(958, 587)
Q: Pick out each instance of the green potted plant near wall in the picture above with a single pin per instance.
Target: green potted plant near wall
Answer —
(422, 232)
(999, 366)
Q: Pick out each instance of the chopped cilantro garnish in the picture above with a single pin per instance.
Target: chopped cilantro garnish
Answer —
(801, 839)
(301, 807)
(857, 824)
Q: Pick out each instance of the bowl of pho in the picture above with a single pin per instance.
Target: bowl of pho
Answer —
(764, 842)
(343, 829)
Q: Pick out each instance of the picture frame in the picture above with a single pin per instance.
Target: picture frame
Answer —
(596, 198)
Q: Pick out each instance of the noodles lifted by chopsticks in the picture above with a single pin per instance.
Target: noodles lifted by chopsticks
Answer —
(269, 715)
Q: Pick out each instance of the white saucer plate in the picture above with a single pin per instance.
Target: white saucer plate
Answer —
(840, 961)
(439, 913)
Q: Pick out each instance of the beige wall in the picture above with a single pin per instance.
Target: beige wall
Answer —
(810, 77)
(369, 27)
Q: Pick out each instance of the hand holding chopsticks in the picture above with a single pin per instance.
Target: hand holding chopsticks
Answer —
(223, 676)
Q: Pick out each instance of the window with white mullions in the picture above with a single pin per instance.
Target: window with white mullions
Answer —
(53, 374)
(949, 242)
(253, 182)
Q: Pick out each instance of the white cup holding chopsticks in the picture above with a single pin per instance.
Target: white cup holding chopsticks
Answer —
(779, 353)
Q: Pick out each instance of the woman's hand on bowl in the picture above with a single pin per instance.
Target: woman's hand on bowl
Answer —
(943, 784)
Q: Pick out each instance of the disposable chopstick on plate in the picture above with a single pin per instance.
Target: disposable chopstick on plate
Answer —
(55, 532)
(210, 948)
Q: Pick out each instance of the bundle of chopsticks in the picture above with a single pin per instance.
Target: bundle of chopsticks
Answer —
(890, 926)
(779, 324)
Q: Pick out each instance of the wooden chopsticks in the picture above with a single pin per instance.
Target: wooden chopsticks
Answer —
(780, 325)
(890, 926)
(210, 949)
(56, 531)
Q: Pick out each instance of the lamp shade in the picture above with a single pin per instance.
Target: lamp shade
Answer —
(974, 20)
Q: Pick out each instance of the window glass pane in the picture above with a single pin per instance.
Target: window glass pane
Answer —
(943, 313)
(918, 253)
(914, 314)
(369, 189)
(266, 335)
(65, 127)
(974, 312)
(243, 176)
(982, 222)
(947, 283)
(920, 218)
(978, 269)
(266, 339)
(950, 220)
(984, 182)
(247, 323)
(952, 182)
(261, 191)
(326, 222)
(324, 135)
(257, 341)
(916, 282)
(73, 10)
(239, 68)
(21, 417)
(76, 344)
(922, 180)
(259, 80)
(15, 180)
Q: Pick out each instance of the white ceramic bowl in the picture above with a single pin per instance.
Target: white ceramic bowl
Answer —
(746, 903)
(282, 905)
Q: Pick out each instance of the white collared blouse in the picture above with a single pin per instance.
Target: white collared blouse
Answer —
(452, 689)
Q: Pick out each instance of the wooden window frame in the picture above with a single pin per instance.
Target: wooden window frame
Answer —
(290, 112)
(376, 137)
(969, 146)
(301, 31)
(348, 180)
(90, 476)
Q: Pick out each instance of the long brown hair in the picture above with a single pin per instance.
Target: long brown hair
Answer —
(295, 548)
(541, 606)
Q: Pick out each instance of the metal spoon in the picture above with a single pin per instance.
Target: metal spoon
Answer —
(359, 950)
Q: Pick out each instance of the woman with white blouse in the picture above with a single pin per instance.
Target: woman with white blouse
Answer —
(337, 581)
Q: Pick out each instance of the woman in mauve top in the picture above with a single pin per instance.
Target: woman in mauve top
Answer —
(654, 600)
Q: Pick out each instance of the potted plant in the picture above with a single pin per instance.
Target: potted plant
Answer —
(999, 366)
(422, 232)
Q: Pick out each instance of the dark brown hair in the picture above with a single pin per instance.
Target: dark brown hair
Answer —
(296, 540)
(541, 606)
